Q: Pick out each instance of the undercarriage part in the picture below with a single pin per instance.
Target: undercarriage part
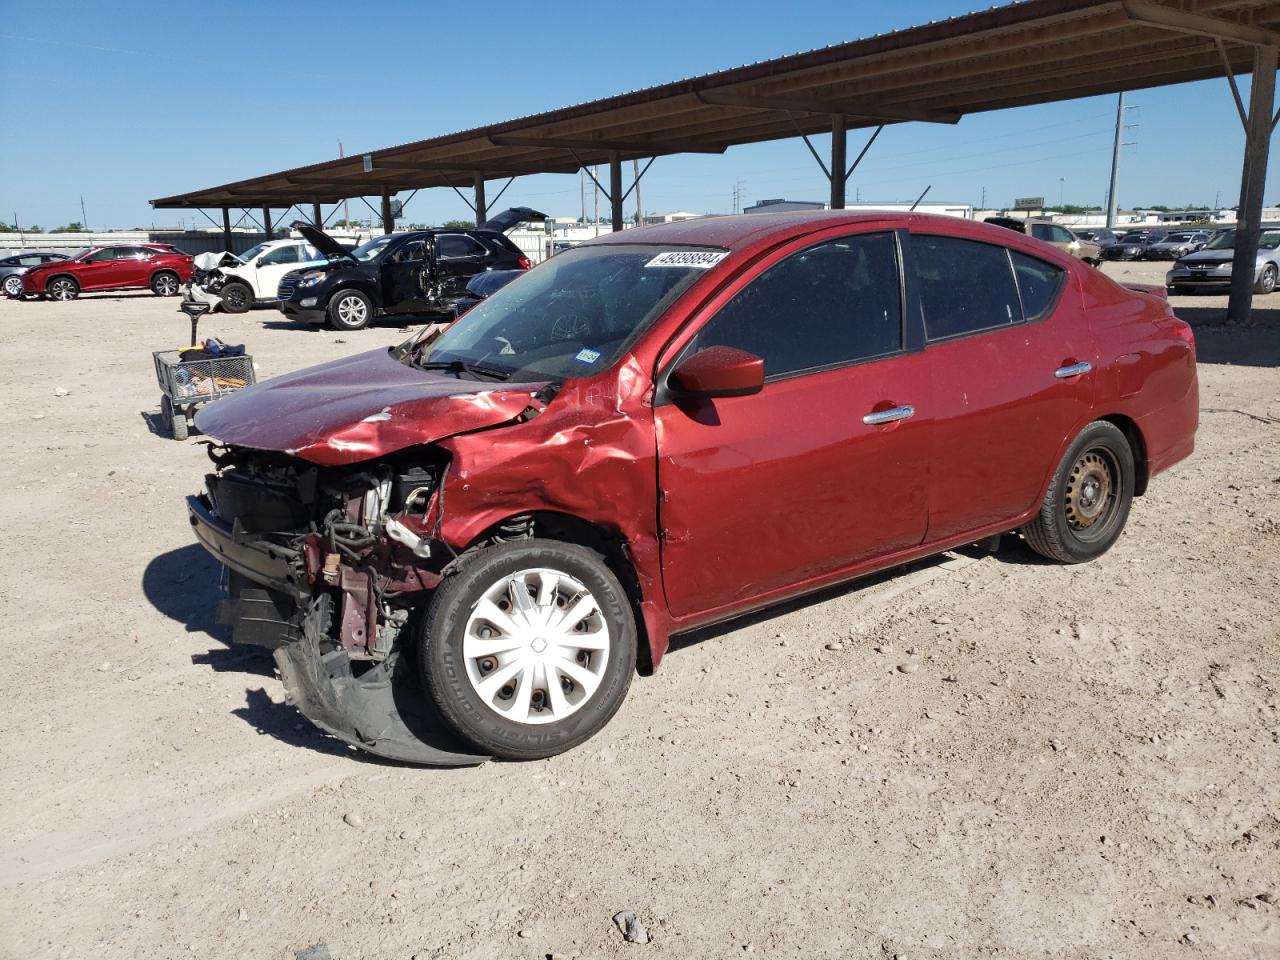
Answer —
(383, 711)
(256, 615)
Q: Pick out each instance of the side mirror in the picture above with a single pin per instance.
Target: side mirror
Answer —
(718, 372)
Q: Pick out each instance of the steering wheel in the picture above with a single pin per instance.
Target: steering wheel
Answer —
(570, 326)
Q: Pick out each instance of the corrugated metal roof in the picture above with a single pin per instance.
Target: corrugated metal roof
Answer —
(1037, 51)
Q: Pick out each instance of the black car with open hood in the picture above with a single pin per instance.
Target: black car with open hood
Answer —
(420, 271)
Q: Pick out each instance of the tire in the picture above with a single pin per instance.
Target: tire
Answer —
(176, 417)
(508, 722)
(1267, 282)
(1089, 497)
(13, 286)
(62, 288)
(166, 284)
(349, 310)
(236, 298)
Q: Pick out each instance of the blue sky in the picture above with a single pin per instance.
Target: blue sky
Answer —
(126, 101)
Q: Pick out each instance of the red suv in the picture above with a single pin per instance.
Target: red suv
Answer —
(485, 533)
(161, 267)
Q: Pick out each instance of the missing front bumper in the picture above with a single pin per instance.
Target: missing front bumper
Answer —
(383, 711)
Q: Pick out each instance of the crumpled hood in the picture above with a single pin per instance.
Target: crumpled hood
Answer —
(360, 407)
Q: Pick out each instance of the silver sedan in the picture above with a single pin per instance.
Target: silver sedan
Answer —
(13, 266)
(1210, 268)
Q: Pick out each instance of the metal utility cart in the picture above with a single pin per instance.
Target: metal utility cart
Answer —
(186, 385)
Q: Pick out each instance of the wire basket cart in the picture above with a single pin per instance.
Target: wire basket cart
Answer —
(186, 385)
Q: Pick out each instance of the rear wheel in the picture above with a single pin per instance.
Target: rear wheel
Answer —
(349, 310)
(165, 284)
(529, 648)
(1089, 497)
(62, 288)
(236, 297)
(176, 417)
(1267, 282)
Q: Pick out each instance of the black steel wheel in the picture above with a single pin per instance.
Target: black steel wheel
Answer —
(1087, 504)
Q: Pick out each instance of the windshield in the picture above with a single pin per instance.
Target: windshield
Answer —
(82, 253)
(572, 316)
(1222, 241)
(370, 250)
(1177, 238)
(252, 252)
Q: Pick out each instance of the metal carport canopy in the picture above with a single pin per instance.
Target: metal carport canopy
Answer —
(1037, 51)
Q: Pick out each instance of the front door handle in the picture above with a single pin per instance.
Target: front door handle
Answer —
(1074, 370)
(877, 417)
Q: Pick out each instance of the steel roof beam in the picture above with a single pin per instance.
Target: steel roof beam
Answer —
(885, 113)
(1182, 21)
(644, 148)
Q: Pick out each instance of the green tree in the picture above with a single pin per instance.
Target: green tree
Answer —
(460, 225)
(73, 227)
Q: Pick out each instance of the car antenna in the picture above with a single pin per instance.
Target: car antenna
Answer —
(921, 197)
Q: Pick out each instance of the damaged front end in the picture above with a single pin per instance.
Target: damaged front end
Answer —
(327, 566)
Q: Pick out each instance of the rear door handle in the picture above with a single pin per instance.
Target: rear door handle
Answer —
(1074, 370)
(878, 417)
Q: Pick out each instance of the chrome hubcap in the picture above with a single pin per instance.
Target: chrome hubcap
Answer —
(166, 286)
(351, 310)
(536, 646)
(13, 286)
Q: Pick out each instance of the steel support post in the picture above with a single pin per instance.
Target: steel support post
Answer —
(226, 227)
(839, 142)
(388, 224)
(1257, 143)
(266, 221)
(315, 215)
(615, 189)
(482, 210)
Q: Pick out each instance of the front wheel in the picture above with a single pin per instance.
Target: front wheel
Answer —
(1267, 282)
(62, 288)
(529, 648)
(236, 297)
(13, 286)
(176, 417)
(350, 310)
(1088, 500)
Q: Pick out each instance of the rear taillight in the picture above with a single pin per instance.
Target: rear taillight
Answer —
(525, 263)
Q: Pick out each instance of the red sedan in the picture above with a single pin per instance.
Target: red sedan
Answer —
(160, 267)
(666, 428)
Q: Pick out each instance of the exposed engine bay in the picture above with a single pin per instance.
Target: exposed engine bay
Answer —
(325, 566)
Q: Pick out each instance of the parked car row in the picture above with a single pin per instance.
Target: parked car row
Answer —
(159, 267)
(13, 267)
(663, 429)
(1210, 268)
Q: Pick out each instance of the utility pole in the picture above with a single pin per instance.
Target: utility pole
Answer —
(595, 177)
(582, 194)
(84, 221)
(1115, 163)
(346, 209)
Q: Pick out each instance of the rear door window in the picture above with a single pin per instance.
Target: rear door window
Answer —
(453, 246)
(830, 304)
(279, 255)
(965, 286)
(1039, 283)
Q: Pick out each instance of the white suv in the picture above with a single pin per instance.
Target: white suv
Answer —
(255, 274)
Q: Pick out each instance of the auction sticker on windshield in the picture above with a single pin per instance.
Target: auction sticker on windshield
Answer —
(702, 259)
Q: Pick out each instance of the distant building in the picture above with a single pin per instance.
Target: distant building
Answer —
(652, 218)
(783, 206)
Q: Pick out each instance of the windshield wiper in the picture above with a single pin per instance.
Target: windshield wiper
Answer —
(462, 366)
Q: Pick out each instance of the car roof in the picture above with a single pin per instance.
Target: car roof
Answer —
(744, 230)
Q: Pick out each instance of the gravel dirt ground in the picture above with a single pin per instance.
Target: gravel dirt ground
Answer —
(1084, 763)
